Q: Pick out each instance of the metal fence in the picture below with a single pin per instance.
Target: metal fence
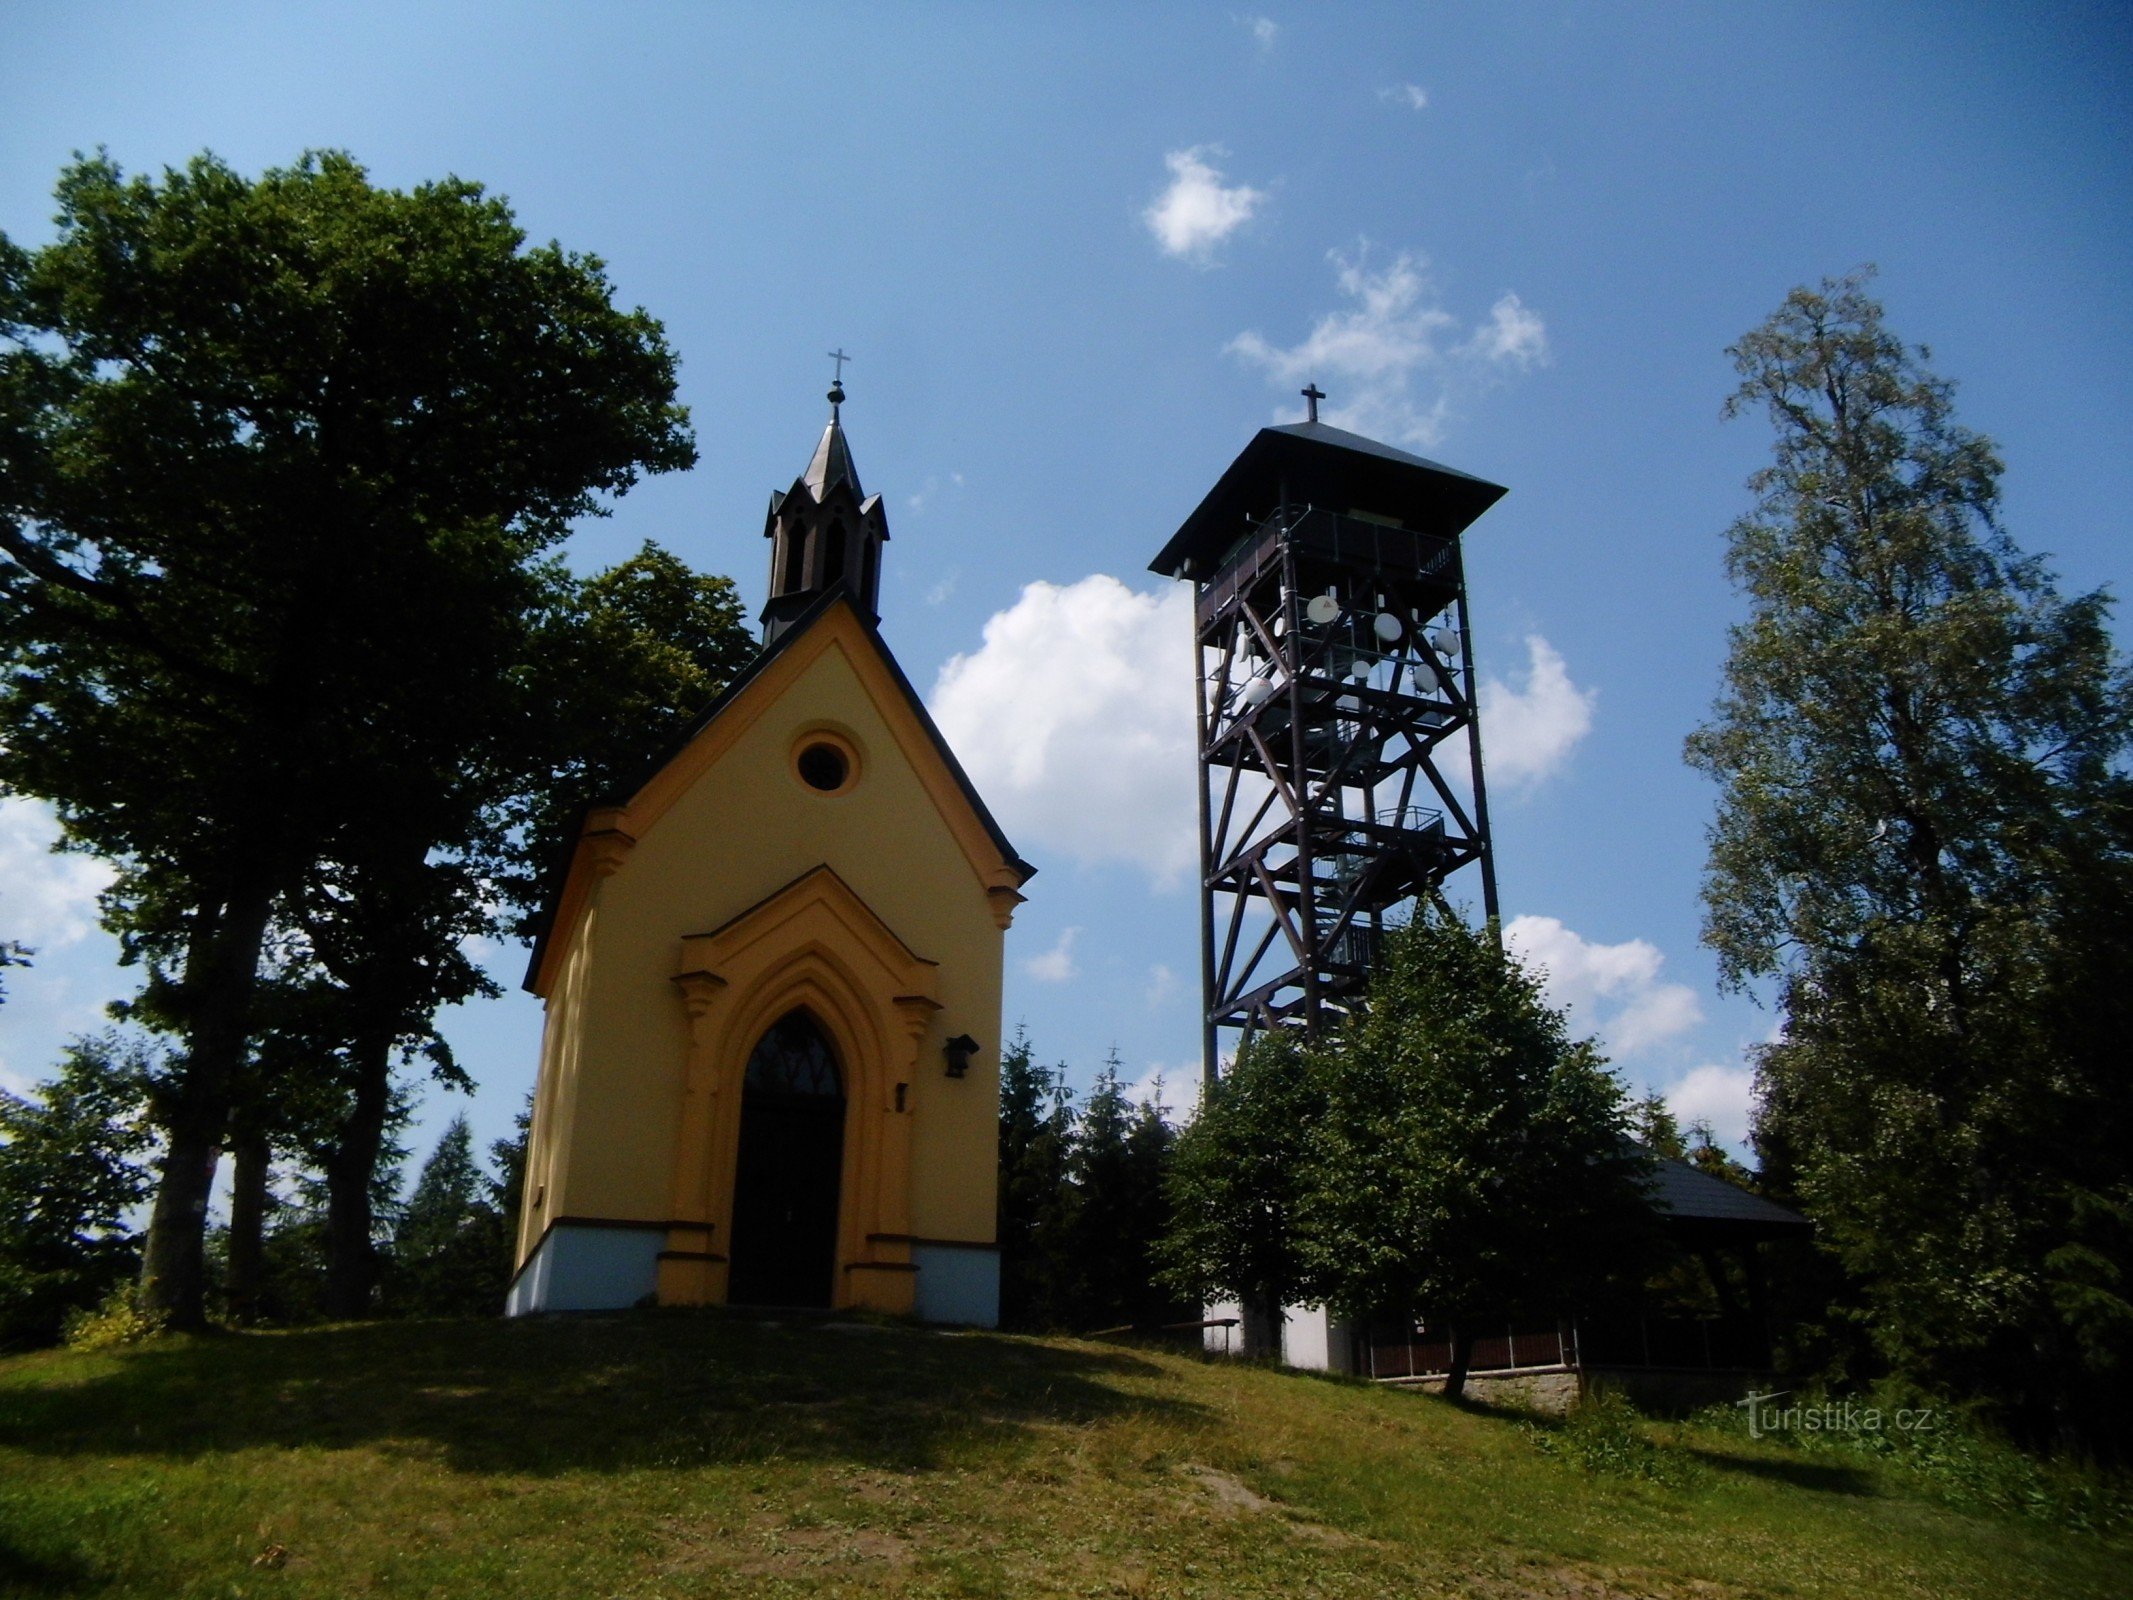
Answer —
(1677, 1343)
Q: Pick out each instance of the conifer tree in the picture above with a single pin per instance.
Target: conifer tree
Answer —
(1035, 1197)
(70, 1175)
(444, 1256)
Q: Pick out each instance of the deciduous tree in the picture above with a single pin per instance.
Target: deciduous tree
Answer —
(1924, 840)
(1472, 1160)
(278, 462)
(1237, 1183)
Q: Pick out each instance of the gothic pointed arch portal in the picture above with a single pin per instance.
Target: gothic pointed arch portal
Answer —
(807, 996)
(789, 1175)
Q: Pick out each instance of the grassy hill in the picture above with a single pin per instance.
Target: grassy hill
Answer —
(701, 1454)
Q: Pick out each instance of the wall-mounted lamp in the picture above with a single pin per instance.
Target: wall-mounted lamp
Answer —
(959, 1050)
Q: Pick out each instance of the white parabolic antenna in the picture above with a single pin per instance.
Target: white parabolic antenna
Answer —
(1322, 610)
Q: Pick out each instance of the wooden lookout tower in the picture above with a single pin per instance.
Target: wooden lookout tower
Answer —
(1340, 754)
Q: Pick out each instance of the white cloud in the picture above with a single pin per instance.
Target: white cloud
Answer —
(1074, 720)
(931, 489)
(1722, 1096)
(939, 593)
(1512, 337)
(1264, 30)
(1198, 211)
(1162, 984)
(1614, 990)
(46, 900)
(1411, 95)
(1055, 965)
(1528, 733)
(1392, 358)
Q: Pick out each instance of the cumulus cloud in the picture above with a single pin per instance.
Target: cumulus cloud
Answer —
(1614, 990)
(46, 900)
(1198, 211)
(1722, 1096)
(1074, 720)
(1055, 965)
(1411, 95)
(1392, 357)
(1264, 30)
(1529, 731)
(1162, 984)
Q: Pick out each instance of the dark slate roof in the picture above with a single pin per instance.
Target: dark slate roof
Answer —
(559, 869)
(1685, 1194)
(1334, 470)
(832, 463)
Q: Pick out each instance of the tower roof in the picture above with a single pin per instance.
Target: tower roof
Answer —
(1316, 464)
(832, 460)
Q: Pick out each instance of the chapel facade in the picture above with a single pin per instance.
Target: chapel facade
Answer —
(770, 1064)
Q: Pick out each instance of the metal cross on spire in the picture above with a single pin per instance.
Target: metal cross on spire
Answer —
(1312, 396)
(840, 358)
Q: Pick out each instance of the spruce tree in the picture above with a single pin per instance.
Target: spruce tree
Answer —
(70, 1176)
(1036, 1200)
(444, 1256)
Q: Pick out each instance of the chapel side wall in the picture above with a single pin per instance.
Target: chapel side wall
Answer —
(743, 831)
(555, 1097)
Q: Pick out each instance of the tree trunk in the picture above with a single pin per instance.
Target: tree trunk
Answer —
(351, 1256)
(248, 1217)
(1462, 1358)
(221, 969)
(1261, 1326)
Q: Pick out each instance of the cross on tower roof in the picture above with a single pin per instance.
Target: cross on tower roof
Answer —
(1312, 396)
(840, 358)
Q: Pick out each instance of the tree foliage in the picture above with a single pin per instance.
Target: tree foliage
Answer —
(70, 1175)
(1472, 1159)
(1082, 1200)
(1449, 1152)
(446, 1255)
(1237, 1186)
(1924, 839)
(279, 460)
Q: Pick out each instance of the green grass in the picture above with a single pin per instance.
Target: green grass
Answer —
(701, 1454)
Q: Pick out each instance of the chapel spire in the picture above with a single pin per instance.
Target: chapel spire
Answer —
(825, 530)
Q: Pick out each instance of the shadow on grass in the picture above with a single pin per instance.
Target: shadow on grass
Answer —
(582, 1393)
(24, 1572)
(1821, 1477)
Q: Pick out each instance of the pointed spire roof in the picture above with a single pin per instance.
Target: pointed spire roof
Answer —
(832, 462)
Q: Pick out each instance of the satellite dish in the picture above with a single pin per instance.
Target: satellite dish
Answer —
(1387, 626)
(1445, 643)
(1360, 670)
(1322, 610)
(1258, 691)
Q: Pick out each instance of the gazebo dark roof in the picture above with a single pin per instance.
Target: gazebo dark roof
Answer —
(1693, 1201)
(1316, 464)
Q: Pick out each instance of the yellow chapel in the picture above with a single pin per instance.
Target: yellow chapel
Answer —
(770, 1065)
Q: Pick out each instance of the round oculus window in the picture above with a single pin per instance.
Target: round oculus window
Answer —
(823, 766)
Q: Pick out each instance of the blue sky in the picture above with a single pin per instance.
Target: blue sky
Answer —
(1080, 254)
